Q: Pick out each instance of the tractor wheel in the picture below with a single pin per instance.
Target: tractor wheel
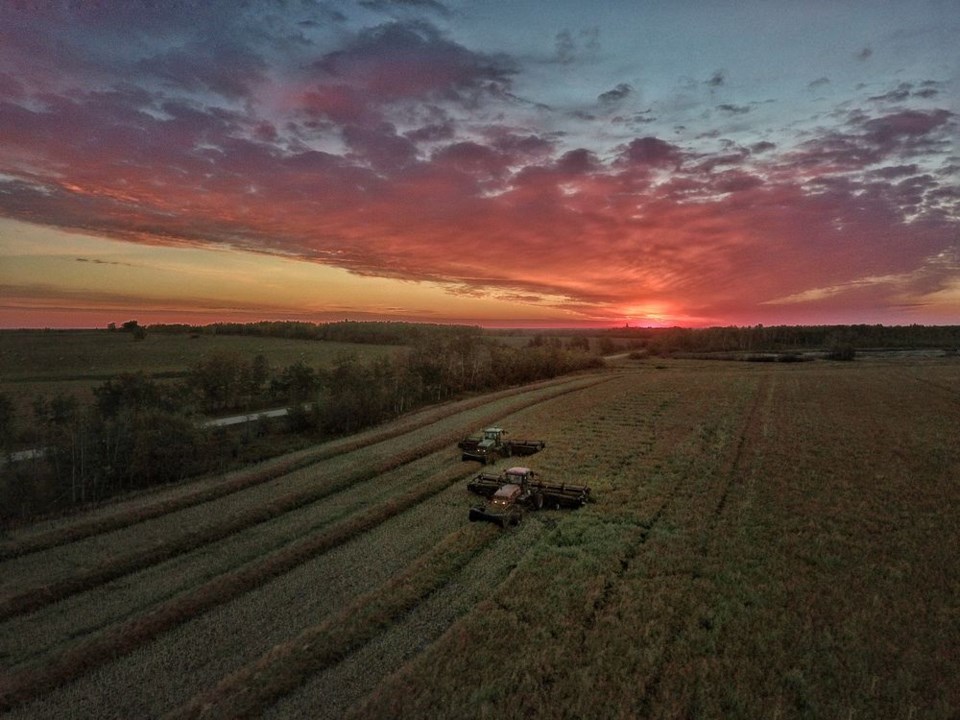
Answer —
(537, 501)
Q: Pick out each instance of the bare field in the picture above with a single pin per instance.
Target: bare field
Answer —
(766, 541)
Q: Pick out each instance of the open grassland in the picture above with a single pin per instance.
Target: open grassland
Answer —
(60, 355)
(766, 541)
(44, 362)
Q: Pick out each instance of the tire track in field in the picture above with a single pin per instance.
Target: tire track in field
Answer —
(245, 479)
(647, 427)
(750, 432)
(37, 597)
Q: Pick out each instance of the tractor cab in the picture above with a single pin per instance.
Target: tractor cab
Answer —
(506, 496)
(492, 437)
(519, 475)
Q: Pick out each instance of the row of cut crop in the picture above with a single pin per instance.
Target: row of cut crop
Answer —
(159, 550)
(121, 639)
(251, 689)
(328, 693)
(30, 637)
(197, 492)
(157, 651)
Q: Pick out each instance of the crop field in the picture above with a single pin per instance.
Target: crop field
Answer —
(74, 361)
(766, 540)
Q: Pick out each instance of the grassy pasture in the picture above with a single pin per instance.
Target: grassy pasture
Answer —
(767, 541)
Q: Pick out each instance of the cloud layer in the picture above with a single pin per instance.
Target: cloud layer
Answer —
(372, 139)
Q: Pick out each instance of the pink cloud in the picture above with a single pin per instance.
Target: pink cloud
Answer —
(431, 169)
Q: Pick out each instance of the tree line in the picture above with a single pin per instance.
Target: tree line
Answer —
(139, 431)
(786, 338)
(346, 331)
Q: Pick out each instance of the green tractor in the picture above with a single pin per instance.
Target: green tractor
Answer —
(490, 446)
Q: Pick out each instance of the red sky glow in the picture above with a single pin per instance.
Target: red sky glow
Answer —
(692, 164)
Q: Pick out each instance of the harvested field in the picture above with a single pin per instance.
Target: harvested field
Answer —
(768, 540)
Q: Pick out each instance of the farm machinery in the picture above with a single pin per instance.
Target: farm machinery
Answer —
(518, 489)
(490, 445)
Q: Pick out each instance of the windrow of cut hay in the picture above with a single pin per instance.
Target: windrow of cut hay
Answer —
(247, 692)
(219, 527)
(27, 639)
(125, 513)
(329, 692)
(121, 639)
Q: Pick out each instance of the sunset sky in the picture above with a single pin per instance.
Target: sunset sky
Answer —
(498, 163)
